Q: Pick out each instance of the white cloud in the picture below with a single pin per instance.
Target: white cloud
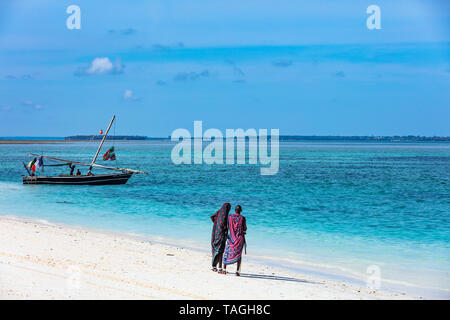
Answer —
(30, 103)
(128, 95)
(101, 65)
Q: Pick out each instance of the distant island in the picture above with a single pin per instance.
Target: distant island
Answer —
(282, 138)
(364, 138)
(111, 138)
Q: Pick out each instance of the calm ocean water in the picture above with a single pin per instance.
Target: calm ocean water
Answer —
(334, 206)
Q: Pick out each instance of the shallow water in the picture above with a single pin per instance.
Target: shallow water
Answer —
(342, 206)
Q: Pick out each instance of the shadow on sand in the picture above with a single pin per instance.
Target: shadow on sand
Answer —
(273, 277)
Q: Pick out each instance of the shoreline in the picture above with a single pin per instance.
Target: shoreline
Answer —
(44, 255)
(299, 267)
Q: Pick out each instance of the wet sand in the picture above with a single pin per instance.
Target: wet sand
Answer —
(48, 261)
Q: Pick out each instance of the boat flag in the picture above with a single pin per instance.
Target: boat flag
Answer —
(109, 155)
(40, 163)
(32, 165)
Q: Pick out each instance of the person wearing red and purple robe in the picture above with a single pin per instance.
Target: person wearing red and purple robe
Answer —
(219, 235)
(237, 228)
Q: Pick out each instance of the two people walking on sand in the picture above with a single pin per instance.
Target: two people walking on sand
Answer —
(228, 238)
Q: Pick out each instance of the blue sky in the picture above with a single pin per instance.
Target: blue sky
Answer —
(305, 67)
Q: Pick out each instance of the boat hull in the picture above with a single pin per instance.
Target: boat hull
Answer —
(98, 179)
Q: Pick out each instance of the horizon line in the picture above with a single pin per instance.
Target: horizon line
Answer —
(283, 135)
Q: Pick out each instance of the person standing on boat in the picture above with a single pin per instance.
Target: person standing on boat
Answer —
(72, 167)
(78, 172)
(236, 240)
(219, 235)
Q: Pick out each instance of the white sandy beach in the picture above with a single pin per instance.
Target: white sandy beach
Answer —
(47, 261)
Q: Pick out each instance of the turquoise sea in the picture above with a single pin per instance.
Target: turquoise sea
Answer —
(334, 207)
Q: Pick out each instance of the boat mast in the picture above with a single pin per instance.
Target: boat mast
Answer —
(101, 144)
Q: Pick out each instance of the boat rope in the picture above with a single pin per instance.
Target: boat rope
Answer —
(57, 165)
(86, 144)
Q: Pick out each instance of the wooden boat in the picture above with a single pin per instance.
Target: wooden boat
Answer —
(94, 179)
(120, 177)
